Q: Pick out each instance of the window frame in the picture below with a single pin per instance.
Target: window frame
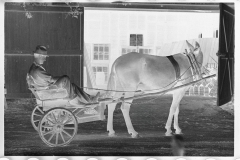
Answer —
(137, 49)
(98, 51)
(102, 66)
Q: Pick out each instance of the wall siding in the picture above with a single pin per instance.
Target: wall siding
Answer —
(61, 35)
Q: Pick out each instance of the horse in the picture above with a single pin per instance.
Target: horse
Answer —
(136, 71)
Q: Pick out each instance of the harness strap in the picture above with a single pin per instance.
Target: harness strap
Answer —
(175, 65)
(190, 61)
(192, 66)
(197, 66)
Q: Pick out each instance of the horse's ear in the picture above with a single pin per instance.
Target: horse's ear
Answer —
(190, 46)
(197, 45)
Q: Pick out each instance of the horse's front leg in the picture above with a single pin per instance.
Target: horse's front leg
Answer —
(176, 126)
(125, 110)
(111, 108)
(174, 111)
(169, 120)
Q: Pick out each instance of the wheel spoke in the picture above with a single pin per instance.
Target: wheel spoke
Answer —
(50, 138)
(40, 110)
(58, 116)
(54, 117)
(50, 120)
(68, 127)
(62, 137)
(37, 115)
(70, 119)
(47, 126)
(36, 121)
(63, 118)
(67, 133)
(57, 138)
(48, 132)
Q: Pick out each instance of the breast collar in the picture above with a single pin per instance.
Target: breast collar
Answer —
(39, 66)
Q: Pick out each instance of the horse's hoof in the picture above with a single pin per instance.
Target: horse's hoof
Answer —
(112, 135)
(136, 136)
(168, 134)
(178, 133)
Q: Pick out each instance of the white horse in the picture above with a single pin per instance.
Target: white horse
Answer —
(136, 71)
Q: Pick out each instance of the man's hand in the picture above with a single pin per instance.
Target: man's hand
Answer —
(54, 79)
(95, 99)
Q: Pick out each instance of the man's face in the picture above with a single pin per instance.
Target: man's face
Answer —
(41, 58)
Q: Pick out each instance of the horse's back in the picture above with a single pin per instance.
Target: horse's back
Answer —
(150, 71)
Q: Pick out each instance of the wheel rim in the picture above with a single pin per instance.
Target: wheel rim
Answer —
(58, 127)
(36, 116)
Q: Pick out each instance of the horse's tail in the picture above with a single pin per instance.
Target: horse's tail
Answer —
(111, 83)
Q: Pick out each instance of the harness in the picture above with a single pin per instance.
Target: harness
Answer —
(196, 71)
(175, 65)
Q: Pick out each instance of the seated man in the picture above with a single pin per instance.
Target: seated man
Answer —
(43, 79)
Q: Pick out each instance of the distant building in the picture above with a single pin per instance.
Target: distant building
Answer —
(110, 34)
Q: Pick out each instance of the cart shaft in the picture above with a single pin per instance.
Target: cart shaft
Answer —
(150, 94)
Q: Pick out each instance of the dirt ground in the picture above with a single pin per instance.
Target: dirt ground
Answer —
(208, 131)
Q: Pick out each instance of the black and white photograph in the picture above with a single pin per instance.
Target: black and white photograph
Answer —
(119, 79)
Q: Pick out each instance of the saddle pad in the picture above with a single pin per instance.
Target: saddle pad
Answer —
(52, 94)
(175, 65)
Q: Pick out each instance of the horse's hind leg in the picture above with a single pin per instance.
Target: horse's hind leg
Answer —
(111, 108)
(174, 111)
(125, 110)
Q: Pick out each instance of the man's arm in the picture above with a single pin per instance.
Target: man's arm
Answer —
(46, 76)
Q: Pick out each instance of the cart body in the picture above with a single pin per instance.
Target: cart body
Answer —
(54, 113)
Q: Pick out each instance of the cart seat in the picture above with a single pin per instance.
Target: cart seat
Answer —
(45, 92)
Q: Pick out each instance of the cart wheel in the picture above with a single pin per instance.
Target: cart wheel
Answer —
(36, 116)
(58, 127)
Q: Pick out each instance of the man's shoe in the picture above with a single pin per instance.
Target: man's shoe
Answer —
(95, 99)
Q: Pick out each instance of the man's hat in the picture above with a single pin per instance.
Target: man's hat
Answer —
(41, 50)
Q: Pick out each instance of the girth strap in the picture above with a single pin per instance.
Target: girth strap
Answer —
(175, 65)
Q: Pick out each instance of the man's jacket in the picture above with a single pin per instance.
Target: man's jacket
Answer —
(40, 76)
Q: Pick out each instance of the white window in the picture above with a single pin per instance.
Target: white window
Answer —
(103, 69)
(101, 52)
(145, 50)
(126, 50)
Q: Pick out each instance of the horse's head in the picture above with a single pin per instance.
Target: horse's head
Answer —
(196, 51)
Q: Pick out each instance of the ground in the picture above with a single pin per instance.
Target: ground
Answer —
(208, 131)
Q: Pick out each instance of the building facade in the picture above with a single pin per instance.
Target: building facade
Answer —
(108, 34)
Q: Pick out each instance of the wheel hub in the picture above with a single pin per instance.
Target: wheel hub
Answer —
(58, 128)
